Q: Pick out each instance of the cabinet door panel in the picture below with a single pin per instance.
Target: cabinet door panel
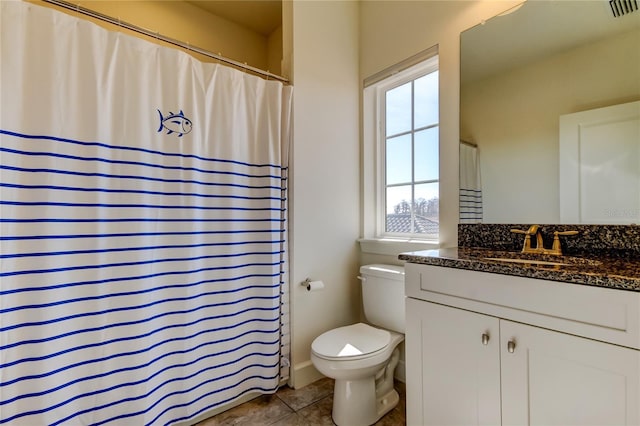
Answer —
(552, 378)
(459, 381)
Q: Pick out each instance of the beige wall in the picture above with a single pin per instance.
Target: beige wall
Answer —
(274, 52)
(325, 176)
(185, 22)
(523, 145)
(391, 31)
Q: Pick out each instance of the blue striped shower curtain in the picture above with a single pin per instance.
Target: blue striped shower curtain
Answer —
(470, 184)
(143, 227)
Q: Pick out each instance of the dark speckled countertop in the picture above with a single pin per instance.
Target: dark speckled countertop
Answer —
(623, 274)
(605, 256)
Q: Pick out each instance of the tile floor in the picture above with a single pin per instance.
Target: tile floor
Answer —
(309, 406)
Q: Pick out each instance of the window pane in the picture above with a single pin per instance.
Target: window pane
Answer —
(426, 154)
(398, 159)
(426, 100)
(398, 205)
(398, 106)
(427, 207)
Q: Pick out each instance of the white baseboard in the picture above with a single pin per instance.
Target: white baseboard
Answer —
(304, 373)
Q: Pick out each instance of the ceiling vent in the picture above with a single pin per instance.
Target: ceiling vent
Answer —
(622, 7)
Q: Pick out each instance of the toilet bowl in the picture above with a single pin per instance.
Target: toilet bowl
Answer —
(362, 358)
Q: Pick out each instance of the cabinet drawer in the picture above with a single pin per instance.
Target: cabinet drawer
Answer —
(598, 313)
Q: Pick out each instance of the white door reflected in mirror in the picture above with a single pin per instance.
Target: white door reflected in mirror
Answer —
(600, 165)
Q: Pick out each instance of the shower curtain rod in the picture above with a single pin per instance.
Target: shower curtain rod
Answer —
(158, 36)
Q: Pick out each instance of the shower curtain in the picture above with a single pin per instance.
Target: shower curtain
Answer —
(470, 184)
(143, 227)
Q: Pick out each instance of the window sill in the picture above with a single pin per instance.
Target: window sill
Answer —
(394, 247)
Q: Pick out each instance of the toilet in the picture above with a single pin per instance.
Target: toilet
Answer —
(361, 358)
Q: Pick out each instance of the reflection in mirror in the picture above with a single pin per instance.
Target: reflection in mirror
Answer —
(522, 71)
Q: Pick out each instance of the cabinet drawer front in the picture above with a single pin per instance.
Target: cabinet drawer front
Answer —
(598, 313)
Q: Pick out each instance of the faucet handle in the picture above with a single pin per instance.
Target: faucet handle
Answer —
(526, 247)
(566, 233)
(556, 248)
(531, 231)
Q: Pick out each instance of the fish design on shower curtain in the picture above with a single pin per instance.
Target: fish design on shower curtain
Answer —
(175, 123)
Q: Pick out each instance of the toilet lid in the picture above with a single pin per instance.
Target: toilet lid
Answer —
(350, 342)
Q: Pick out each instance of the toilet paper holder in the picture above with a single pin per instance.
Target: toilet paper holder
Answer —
(312, 285)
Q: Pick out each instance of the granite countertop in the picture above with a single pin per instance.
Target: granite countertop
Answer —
(601, 271)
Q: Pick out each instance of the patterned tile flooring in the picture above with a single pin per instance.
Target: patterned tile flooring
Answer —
(309, 406)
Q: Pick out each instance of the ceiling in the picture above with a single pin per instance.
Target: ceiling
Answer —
(537, 29)
(261, 16)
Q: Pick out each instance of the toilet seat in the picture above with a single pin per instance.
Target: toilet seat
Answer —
(351, 342)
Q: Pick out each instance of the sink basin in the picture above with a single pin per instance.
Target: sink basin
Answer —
(529, 261)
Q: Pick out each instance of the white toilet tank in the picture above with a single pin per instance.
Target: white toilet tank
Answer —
(383, 296)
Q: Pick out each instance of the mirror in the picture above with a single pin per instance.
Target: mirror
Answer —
(520, 72)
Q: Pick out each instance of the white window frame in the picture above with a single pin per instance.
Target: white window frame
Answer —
(375, 238)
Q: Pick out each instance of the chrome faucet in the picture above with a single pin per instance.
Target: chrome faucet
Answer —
(556, 248)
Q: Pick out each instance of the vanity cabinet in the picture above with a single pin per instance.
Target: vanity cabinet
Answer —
(485, 349)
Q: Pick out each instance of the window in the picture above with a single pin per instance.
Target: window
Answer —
(406, 134)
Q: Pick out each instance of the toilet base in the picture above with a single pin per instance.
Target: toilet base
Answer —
(387, 403)
(355, 402)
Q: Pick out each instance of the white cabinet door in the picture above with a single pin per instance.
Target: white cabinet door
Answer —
(459, 378)
(552, 378)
